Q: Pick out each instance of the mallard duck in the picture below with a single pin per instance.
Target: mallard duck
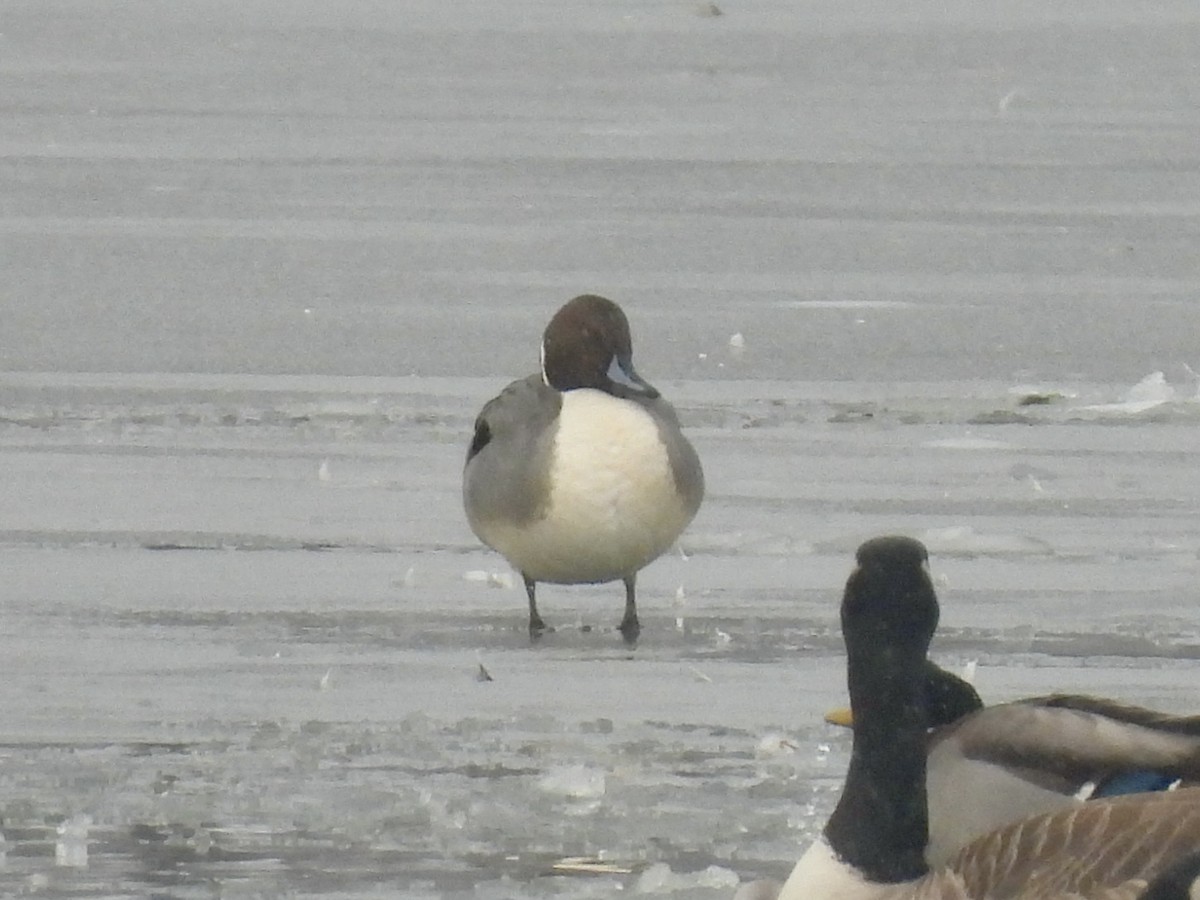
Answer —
(874, 844)
(991, 765)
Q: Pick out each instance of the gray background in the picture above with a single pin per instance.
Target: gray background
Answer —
(261, 264)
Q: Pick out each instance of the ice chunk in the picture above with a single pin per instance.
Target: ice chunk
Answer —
(774, 744)
(659, 879)
(491, 579)
(761, 889)
(577, 782)
(1148, 393)
(71, 847)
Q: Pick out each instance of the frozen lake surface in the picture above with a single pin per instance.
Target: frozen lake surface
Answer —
(244, 623)
(264, 261)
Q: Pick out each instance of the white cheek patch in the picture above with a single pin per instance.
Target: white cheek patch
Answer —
(820, 875)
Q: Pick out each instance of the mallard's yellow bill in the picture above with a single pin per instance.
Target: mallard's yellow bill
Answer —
(840, 716)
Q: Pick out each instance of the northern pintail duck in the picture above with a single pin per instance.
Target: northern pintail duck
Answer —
(988, 766)
(580, 473)
(873, 845)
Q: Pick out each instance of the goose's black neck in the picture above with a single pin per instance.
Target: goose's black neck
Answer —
(880, 825)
